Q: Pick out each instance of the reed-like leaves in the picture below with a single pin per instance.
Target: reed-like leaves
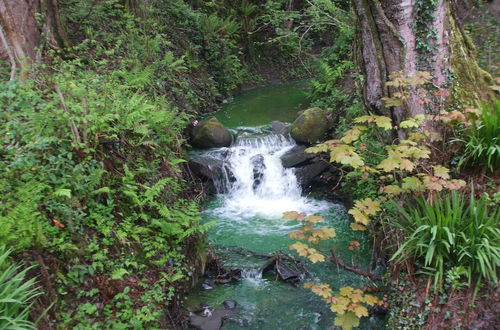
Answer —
(449, 232)
(16, 294)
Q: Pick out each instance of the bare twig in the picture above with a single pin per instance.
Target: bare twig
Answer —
(74, 130)
(336, 260)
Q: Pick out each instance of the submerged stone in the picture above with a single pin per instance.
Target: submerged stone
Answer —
(211, 321)
(230, 304)
(311, 126)
(210, 133)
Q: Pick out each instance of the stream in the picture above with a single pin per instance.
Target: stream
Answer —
(251, 198)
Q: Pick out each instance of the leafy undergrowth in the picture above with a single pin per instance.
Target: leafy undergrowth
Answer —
(413, 306)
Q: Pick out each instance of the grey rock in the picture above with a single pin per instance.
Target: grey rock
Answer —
(295, 156)
(280, 128)
(305, 175)
(258, 170)
(205, 167)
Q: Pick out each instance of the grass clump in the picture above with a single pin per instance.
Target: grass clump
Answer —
(451, 232)
(16, 294)
(482, 140)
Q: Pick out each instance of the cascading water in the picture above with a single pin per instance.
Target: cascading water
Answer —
(253, 181)
(253, 191)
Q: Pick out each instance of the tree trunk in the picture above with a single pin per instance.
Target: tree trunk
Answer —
(416, 35)
(26, 26)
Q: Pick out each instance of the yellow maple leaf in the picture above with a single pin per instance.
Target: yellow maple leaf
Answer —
(357, 296)
(372, 207)
(359, 216)
(340, 305)
(290, 215)
(296, 235)
(315, 257)
(322, 290)
(357, 227)
(360, 311)
(301, 248)
(346, 291)
(370, 300)
(328, 232)
(314, 219)
(308, 285)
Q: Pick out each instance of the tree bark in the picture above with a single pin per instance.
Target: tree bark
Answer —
(26, 26)
(416, 35)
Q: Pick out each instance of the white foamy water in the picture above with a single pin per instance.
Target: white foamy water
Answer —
(255, 184)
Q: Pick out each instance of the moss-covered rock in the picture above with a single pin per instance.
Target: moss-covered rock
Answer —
(311, 126)
(210, 133)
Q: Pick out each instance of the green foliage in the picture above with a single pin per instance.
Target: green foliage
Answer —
(396, 168)
(482, 139)
(16, 294)
(450, 232)
(91, 173)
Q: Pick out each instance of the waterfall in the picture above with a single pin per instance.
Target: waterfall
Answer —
(253, 181)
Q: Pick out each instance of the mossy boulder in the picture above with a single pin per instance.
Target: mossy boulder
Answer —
(210, 133)
(310, 126)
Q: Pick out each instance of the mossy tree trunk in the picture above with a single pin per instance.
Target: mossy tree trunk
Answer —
(26, 28)
(416, 35)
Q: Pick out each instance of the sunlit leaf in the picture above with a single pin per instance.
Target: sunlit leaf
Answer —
(357, 227)
(441, 172)
(347, 321)
(315, 257)
(290, 215)
(370, 300)
(314, 219)
(359, 216)
(383, 122)
(360, 311)
(413, 183)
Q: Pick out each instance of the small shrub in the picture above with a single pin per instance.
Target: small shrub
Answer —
(16, 294)
(482, 139)
(451, 232)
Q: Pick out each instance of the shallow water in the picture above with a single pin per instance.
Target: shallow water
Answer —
(249, 216)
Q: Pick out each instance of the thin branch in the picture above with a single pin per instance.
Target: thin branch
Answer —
(74, 129)
(336, 260)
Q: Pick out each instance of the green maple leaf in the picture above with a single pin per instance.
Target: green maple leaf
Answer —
(389, 164)
(383, 122)
(345, 154)
(406, 165)
(392, 190)
(408, 123)
(364, 119)
(317, 149)
(441, 172)
(418, 153)
(413, 183)
(347, 321)
(352, 134)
